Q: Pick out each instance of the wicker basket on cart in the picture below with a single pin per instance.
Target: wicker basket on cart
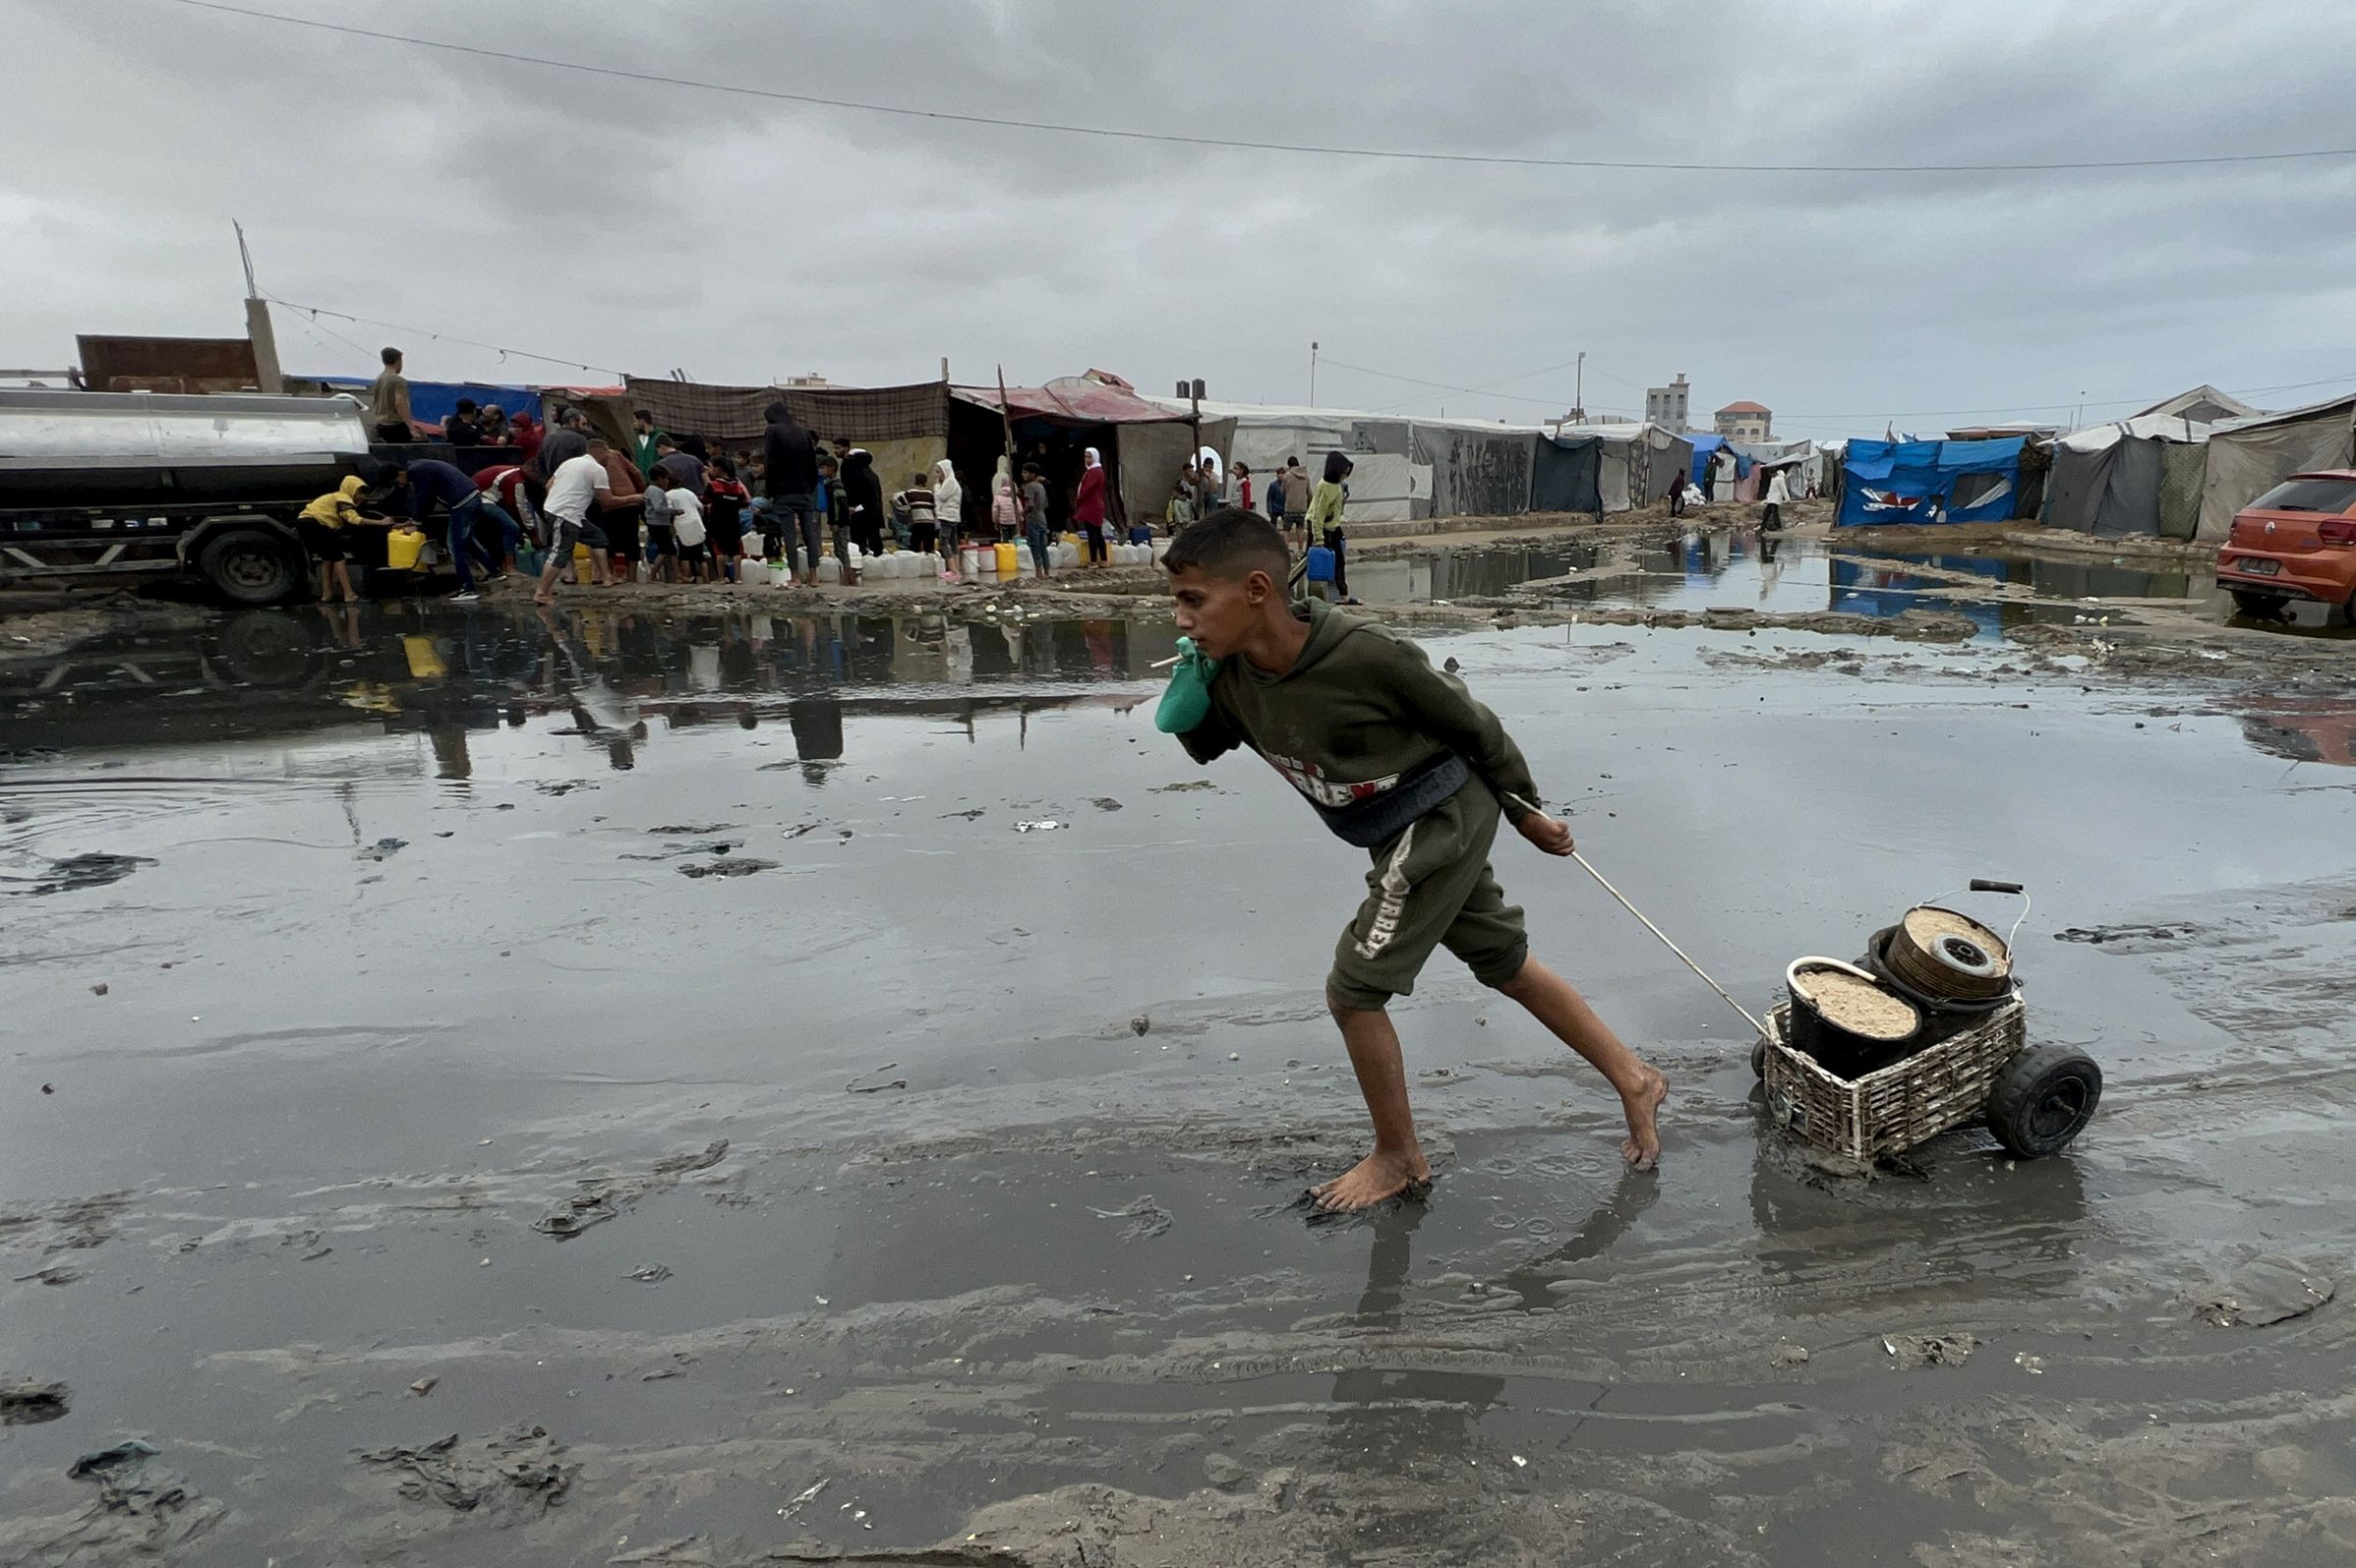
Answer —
(1941, 1088)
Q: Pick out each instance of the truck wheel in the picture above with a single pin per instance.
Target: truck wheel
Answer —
(260, 648)
(247, 566)
(2044, 1097)
(2257, 606)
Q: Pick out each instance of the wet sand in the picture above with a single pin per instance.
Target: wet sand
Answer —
(839, 1212)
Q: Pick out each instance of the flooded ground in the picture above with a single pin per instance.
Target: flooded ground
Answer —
(632, 1087)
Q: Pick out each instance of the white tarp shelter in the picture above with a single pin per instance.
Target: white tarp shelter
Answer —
(2250, 457)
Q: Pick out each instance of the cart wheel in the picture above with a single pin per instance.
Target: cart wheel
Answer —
(1758, 1058)
(2044, 1097)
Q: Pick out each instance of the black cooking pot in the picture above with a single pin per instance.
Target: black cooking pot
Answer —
(1843, 1050)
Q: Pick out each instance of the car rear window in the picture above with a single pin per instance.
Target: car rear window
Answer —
(2308, 496)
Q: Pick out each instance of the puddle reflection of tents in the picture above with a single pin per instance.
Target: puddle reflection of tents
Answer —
(1860, 588)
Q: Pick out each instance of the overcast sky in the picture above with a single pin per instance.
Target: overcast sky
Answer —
(647, 228)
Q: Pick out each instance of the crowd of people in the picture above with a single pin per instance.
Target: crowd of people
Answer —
(685, 510)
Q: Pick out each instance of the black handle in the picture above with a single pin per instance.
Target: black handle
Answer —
(1983, 885)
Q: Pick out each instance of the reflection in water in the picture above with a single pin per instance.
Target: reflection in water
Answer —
(1398, 1417)
(446, 670)
(1602, 1229)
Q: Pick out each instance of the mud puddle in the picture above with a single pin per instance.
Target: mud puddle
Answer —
(871, 1182)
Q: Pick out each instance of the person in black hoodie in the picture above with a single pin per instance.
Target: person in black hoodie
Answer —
(862, 493)
(790, 466)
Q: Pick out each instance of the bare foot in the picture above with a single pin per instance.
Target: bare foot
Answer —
(1377, 1177)
(543, 598)
(1641, 1148)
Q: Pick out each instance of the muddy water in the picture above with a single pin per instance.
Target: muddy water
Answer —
(403, 981)
(2000, 591)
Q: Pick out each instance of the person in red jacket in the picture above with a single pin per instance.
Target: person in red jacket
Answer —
(1087, 508)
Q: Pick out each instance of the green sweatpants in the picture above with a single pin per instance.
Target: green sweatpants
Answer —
(1431, 887)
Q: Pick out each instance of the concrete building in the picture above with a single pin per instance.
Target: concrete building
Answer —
(1670, 406)
(1744, 421)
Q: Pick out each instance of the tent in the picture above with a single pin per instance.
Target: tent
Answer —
(2203, 405)
(1402, 468)
(2248, 457)
(2137, 476)
(1605, 468)
(1885, 483)
(1145, 442)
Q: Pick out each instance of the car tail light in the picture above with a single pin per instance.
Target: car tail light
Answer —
(2336, 531)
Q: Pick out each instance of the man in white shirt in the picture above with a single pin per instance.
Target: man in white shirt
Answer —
(1779, 490)
(578, 485)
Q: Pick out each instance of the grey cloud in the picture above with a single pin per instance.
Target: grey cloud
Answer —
(650, 226)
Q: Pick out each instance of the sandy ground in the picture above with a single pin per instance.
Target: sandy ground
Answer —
(665, 1084)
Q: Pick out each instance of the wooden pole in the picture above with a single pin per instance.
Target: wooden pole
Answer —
(1006, 420)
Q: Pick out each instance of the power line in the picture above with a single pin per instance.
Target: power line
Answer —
(315, 311)
(1318, 149)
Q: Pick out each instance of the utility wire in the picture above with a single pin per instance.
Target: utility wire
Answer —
(315, 311)
(1318, 149)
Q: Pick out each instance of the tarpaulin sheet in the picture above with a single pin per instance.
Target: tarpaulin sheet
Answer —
(1562, 474)
(1896, 482)
(733, 414)
(1074, 400)
(2246, 462)
(432, 402)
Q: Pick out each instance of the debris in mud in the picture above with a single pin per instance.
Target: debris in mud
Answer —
(1146, 1219)
(652, 1274)
(74, 873)
(1909, 1351)
(424, 1386)
(1106, 803)
(99, 989)
(141, 1510)
(1788, 1354)
(602, 1197)
(1142, 1023)
(1187, 787)
(27, 1404)
(741, 867)
(516, 1471)
(856, 1087)
(1043, 825)
(976, 815)
(383, 849)
(2097, 935)
(565, 789)
(677, 832)
(2265, 1290)
(55, 1274)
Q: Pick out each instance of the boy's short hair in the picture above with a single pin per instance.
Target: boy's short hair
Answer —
(827, 462)
(390, 356)
(646, 414)
(466, 405)
(662, 441)
(1031, 470)
(1230, 542)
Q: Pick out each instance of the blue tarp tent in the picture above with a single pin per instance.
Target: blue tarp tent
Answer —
(1704, 449)
(432, 402)
(1885, 483)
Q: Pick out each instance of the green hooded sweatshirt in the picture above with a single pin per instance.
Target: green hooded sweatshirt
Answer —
(1364, 727)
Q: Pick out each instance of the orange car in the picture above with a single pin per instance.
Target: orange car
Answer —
(2297, 541)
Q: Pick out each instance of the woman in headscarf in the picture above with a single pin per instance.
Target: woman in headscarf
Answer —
(1087, 508)
(1325, 519)
(948, 504)
(864, 493)
(1006, 513)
